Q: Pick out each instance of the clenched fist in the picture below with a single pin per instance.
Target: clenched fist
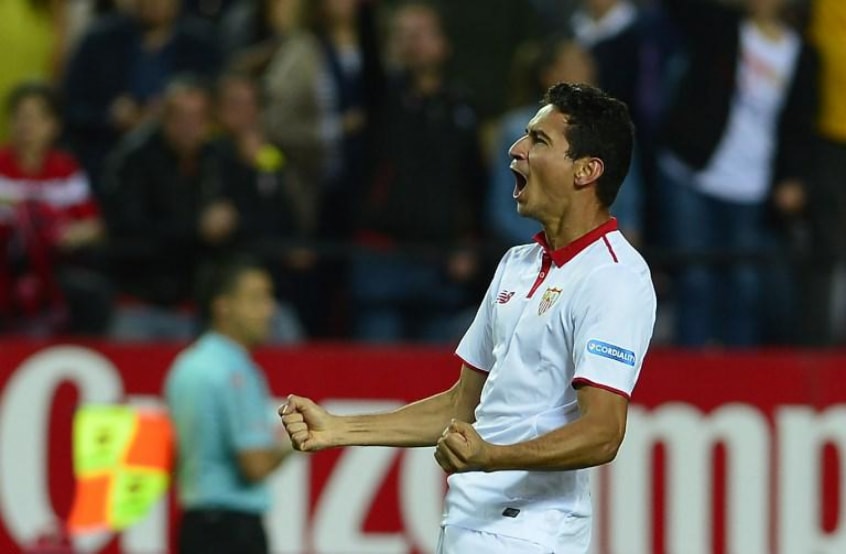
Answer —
(309, 426)
(461, 449)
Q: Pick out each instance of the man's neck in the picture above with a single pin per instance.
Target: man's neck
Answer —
(563, 231)
(225, 332)
(771, 27)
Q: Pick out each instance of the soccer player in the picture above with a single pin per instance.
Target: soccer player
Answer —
(550, 360)
(218, 401)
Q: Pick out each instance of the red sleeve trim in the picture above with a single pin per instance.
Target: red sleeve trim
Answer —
(581, 381)
(610, 250)
(471, 366)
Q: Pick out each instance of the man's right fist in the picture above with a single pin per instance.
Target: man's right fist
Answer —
(308, 425)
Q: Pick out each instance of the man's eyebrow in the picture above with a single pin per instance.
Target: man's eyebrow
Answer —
(538, 132)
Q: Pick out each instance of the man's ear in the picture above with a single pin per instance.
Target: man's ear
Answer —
(587, 171)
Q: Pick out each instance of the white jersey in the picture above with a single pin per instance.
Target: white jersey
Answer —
(579, 315)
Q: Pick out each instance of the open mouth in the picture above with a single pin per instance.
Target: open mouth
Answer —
(519, 183)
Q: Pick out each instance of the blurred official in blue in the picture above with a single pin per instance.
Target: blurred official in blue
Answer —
(220, 405)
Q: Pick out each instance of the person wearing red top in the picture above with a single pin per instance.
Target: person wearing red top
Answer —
(47, 215)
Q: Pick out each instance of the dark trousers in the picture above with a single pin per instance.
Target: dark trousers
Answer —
(716, 303)
(214, 531)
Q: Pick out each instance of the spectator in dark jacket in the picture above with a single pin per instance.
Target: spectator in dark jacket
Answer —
(251, 169)
(163, 198)
(116, 76)
(738, 135)
(425, 192)
(268, 216)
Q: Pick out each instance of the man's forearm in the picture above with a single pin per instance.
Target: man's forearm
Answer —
(416, 424)
(577, 445)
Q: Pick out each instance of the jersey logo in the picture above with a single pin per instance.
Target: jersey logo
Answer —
(504, 296)
(548, 299)
(599, 348)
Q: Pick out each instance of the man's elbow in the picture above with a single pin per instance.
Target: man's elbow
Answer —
(606, 453)
(608, 447)
(254, 473)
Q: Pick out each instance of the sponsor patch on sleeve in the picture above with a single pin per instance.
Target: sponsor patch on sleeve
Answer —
(605, 350)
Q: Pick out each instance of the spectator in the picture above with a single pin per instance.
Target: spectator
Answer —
(47, 219)
(825, 286)
(266, 40)
(294, 111)
(163, 199)
(251, 169)
(253, 30)
(426, 182)
(32, 36)
(738, 132)
(116, 76)
(352, 85)
(609, 29)
(540, 66)
(253, 175)
(219, 401)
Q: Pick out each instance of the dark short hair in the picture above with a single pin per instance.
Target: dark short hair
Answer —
(598, 125)
(38, 90)
(219, 278)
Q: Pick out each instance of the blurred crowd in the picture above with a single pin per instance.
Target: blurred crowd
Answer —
(359, 148)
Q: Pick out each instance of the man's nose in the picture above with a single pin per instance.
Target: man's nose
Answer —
(518, 150)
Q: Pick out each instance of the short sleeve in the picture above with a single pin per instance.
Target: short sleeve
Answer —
(613, 322)
(246, 402)
(476, 347)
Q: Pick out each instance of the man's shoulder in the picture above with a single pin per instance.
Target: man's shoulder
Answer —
(616, 268)
(625, 254)
(202, 359)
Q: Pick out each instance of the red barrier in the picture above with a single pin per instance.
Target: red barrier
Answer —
(738, 453)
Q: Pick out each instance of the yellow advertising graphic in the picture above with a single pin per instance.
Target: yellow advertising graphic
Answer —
(122, 458)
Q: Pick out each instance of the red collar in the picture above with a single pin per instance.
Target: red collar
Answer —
(567, 253)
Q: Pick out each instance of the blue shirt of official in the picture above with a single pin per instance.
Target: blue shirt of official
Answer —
(220, 405)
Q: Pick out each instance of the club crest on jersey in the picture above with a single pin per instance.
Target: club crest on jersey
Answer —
(548, 299)
(504, 296)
